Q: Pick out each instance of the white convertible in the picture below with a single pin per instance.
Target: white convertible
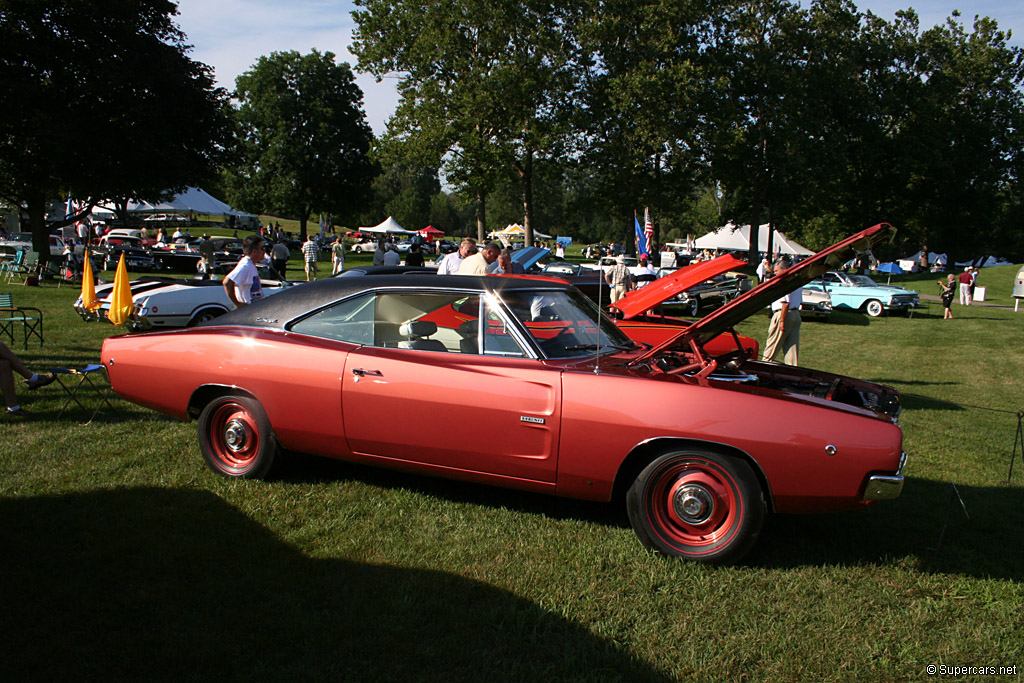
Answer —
(171, 302)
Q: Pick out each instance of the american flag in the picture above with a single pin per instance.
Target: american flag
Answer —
(648, 228)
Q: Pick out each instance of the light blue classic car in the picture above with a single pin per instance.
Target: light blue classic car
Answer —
(861, 293)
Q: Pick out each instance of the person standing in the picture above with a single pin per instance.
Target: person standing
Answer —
(391, 255)
(451, 263)
(506, 266)
(378, 254)
(619, 279)
(242, 284)
(415, 256)
(764, 269)
(948, 292)
(207, 256)
(337, 256)
(965, 281)
(784, 329)
(480, 262)
(279, 255)
(310, 254)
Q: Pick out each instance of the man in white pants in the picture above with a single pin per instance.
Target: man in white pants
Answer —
(784, 329)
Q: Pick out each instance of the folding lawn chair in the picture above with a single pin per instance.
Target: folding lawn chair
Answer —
(72, 382)
(29, 317)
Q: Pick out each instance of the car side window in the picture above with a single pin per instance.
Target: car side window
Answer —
(349, 321)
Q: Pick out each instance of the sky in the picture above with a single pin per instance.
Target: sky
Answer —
(231, 35)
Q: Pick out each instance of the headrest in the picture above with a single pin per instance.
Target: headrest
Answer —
(418, 328)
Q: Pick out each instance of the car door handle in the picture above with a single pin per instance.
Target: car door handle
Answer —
(359, 372)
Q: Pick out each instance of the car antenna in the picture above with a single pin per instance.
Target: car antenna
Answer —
(597, 321)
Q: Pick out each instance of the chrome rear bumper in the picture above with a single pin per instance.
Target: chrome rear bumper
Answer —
(885, 486)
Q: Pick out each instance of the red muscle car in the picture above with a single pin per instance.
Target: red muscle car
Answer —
(547, 394)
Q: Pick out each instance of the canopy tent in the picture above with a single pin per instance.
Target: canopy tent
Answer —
(732, 237)
(388, 227)
(430, 232)
(514, 230)
(194, 199)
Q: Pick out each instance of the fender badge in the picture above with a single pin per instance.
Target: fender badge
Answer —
(266, 320)
(533, 420)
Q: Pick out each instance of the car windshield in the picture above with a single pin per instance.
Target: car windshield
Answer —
(862, 281)
(565, 324)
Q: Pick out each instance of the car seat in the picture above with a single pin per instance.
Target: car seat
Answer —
(416, 331)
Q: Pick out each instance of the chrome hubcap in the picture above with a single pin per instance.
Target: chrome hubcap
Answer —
(236, 435)
(693, 504)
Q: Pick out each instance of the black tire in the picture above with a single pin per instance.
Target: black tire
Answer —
(236, 438)
(698, 506)
(205, 315)
(694, 307)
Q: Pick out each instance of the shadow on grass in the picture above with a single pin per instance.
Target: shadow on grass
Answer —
(986, 545)
(171, 585)
(915, 402)
(925, 529)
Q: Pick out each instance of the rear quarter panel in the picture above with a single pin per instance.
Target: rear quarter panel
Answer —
(296, 379)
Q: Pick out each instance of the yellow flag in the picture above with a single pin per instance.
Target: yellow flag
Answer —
(121, 303)
(89, 301)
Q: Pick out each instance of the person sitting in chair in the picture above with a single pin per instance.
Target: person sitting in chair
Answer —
(10, 364)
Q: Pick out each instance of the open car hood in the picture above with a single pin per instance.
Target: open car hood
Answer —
(659, 291)
(529, 256)
(764, 294)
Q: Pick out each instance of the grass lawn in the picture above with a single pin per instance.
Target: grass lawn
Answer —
(124, 557)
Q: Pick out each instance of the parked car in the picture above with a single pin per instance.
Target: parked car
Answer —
(861, 293)
(711, 293)
(22, 241)
(164, 302)
(364, 246)
(551, 397)
(166, 219)
(588, 279)
(179, 258)
(106, 253)
(816, 304)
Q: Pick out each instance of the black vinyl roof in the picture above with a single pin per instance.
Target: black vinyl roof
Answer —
(275, 311)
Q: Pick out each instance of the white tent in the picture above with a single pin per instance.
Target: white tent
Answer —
(514, 230)
(193, 199)
(731, 237)
(390, 226)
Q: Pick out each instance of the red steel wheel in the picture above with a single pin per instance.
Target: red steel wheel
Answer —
(697, 505)
(236, 439)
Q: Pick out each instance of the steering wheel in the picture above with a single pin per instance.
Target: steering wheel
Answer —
(552, 343)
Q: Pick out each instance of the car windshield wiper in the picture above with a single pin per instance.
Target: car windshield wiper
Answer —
(595, 347)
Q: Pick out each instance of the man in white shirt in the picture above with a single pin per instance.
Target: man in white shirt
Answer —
(763, 270)
(480, 262)
(451, 263)
(784, 329)
(243, 284)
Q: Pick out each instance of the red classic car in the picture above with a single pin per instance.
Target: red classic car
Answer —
(699, 441)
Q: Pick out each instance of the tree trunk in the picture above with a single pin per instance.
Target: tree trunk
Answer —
(755, 224)
(481, 215)
(526, 177)
(36, 205)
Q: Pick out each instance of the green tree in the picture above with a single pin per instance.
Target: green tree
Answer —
(305, 142)
(100, 100)
(482, 84)
(642, 83)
